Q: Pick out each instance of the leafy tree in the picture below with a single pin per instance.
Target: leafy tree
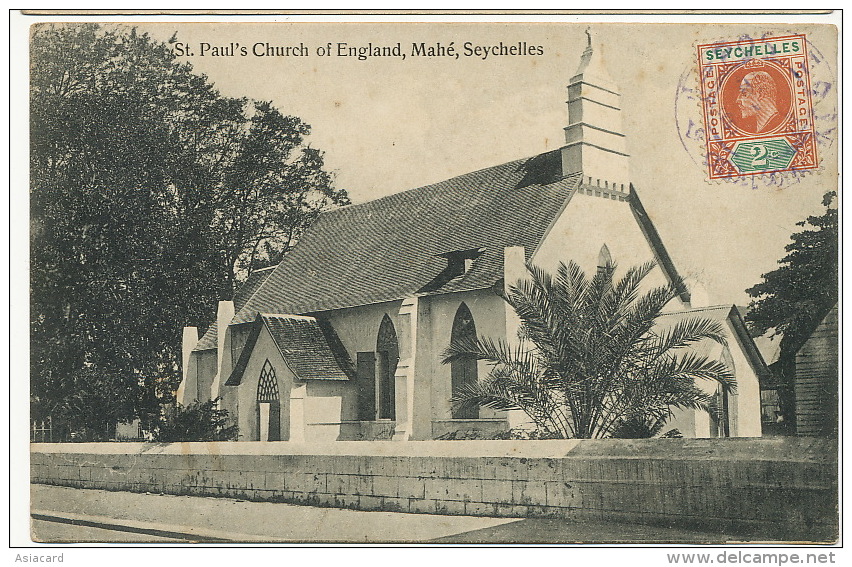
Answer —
(151, 196)
(795, 297)
(256, 222)
(199, 421)
(591, 360)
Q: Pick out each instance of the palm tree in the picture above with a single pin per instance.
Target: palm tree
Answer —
(591, 361)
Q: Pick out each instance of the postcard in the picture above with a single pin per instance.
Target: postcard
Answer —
(430, 278)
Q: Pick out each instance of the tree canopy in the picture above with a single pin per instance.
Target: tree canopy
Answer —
(794, 298)
(152, 196)
(592, 360)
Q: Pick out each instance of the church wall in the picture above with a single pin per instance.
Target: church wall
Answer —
(358, 330)
(358, 327)
(743, 404)
(589, 222)
(201, 369)
(489, 317)
(697, 423)
(206, 368)
(746, 401)
(324, 408)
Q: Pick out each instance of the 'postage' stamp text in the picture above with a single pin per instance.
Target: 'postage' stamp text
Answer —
(758, 115)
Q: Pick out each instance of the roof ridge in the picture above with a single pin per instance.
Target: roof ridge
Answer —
(706, 308)
(441, 182)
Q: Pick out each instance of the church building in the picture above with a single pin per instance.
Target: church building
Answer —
(343, 340)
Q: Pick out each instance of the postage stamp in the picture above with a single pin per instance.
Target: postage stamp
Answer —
(758, 114)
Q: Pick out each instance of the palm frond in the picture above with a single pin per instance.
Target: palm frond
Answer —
(691, 366)
(689, 331)
(592, 359)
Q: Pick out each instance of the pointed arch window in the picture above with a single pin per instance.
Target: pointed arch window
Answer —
(387, 359)
(268, 405)
(604, 259)
(720, 412)
(463, 371)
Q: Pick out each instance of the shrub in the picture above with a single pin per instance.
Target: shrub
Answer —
(199, 421)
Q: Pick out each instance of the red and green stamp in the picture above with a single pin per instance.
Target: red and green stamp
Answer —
(758, 115)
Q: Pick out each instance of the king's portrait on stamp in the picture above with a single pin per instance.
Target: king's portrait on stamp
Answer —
(758, 100)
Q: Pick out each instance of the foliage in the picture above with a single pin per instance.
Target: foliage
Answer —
(509, 434)
(199, 421)
(88, 404)
(644, 427)
(590, 357)
(151, 196)
(795, 297)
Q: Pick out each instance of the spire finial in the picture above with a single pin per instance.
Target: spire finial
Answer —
(588, 37)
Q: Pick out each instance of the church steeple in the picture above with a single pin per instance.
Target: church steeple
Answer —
(595, 143)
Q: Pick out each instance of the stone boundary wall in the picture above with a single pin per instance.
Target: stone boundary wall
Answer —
(765, 488)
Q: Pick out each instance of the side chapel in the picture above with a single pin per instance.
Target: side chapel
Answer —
(343, 339)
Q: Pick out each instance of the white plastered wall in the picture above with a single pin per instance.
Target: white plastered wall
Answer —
(585, 225)
(746, 402)
(487, 309)
(743, 404)
(358, 331)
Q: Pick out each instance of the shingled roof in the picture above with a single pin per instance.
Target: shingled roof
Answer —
(396, 246)
(310, 349)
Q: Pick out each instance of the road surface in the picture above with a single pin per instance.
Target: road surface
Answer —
(65, 515)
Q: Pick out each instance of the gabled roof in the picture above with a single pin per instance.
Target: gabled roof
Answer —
(392, 247)
(241, 296)
(660, 252)
(310, 348)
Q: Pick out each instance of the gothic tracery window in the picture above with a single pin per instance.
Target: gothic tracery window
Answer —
(268, 405)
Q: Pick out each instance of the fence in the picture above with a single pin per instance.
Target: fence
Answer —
(42, 431)
(783, 489)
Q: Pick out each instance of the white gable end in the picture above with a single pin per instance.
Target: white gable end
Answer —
(589, 222)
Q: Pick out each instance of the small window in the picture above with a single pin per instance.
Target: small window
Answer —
(604, 259)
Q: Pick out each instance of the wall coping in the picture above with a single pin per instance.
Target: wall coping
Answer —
(796, 449)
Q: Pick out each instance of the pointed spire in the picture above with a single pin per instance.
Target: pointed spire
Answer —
(595, 143)
(591, 68)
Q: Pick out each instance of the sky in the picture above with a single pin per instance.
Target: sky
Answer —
(388, 124)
